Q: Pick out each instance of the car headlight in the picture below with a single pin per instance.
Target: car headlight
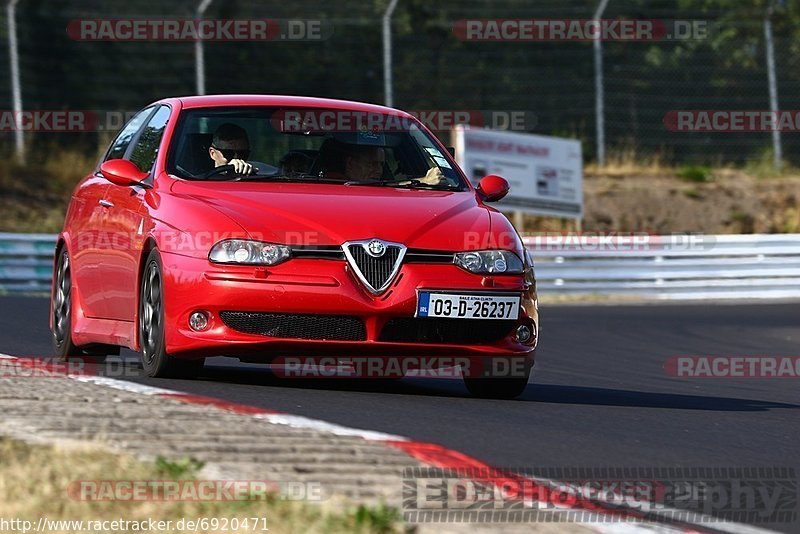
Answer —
(247, 252)
(489, 262)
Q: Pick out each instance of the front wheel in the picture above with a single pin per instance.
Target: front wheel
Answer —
(499, 378)
(155, 360)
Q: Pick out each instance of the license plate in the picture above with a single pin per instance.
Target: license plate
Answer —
(467, 306)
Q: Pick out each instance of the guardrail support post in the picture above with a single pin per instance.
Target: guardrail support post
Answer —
(388, 89)
(199, 53)
(599, 95)
(16, 86)
(777, 149)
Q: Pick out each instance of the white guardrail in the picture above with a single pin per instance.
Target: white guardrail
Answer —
(681, 267)
(658, 267)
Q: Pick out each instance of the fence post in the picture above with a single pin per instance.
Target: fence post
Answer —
(599, 95)
(777, 149)
(388, 89)
(199, 53)
(16, 87)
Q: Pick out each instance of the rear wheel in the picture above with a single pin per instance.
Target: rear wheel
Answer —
(155, 360)
(505, 381)
(63, 346)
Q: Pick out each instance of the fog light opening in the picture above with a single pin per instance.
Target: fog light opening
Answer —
(524, 333)
(198, 321)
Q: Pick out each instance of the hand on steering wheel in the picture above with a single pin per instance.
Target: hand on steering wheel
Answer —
(239, 167)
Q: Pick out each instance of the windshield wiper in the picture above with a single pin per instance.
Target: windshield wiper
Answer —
(302, 177)
(407, 184)
(298, 177)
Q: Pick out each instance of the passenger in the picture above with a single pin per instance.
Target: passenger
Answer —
(366, 163)
(295, 163)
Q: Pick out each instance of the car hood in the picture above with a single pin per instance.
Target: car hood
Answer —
(330, 214)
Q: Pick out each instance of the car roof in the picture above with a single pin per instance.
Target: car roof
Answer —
(210, 101)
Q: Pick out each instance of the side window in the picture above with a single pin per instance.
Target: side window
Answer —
(123, 140)
(433, 156)
(146, 149)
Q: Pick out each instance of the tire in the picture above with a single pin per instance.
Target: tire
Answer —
(152, 327)
(64, 347)
(498, 387)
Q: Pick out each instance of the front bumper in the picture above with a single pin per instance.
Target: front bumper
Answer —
(325, 287)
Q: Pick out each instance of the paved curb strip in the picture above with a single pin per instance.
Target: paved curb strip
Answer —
(350, 464)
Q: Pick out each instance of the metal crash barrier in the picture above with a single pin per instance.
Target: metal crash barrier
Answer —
(657, 267)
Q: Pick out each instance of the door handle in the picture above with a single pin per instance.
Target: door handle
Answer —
(106, 204)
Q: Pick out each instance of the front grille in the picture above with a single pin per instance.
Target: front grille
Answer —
(320, 252)
(375, 271)
(440, 330)
(296, 326)
(428, 256)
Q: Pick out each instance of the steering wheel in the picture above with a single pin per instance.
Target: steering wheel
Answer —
(224, 169)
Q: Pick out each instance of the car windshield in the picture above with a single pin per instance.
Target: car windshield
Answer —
(308, 145)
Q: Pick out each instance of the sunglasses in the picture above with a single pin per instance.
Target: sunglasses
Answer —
(233, 153)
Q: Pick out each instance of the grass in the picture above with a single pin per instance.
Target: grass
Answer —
(790, 221)
(628, 162)
(693, 193)
(49, 168)
(695, 173)
(34, 481)
(763, 166)
(743, 221)
(178, 469)
(34, 197)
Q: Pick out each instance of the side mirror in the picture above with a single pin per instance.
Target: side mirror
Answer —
(452, 150)
(122, 172)
(492, 188)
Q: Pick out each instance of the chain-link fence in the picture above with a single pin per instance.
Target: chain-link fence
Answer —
(433, 68)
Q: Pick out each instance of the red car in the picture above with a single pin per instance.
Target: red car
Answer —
(266, 227)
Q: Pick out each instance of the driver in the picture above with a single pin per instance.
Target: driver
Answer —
(230, 146)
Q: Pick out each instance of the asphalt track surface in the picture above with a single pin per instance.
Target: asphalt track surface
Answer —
(599, 397)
